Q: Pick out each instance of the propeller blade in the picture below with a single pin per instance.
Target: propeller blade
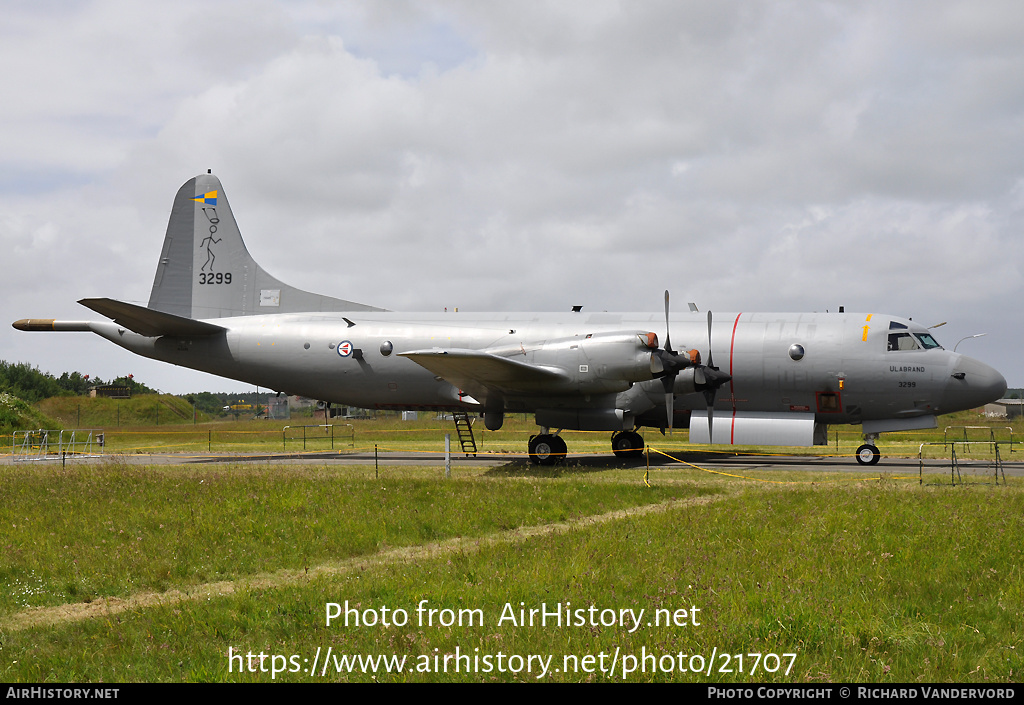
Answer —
(668, 333)
(699, 378)
(711, 362)
(657, 364)
(709, 397)
(669, 402)
(669, 380)
(709, 394)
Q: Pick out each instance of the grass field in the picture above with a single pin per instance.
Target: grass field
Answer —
(123, 573)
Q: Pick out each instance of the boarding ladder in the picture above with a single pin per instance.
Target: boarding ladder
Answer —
(464, 427)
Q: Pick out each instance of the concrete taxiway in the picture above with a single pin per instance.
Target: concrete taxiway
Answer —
(721, 462)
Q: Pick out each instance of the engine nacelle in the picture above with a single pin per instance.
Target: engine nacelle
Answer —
(600, 362)
(620, 356)
(585, 419)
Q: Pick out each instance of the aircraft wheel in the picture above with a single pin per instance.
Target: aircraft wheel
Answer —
(560, 448)
(628, 444)
(868, 455)
(546, 449)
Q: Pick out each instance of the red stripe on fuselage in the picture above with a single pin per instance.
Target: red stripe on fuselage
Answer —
(732, 389)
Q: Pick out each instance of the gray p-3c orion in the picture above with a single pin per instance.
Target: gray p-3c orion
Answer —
(780, 378)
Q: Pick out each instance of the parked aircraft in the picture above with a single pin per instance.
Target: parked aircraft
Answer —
(782, 378)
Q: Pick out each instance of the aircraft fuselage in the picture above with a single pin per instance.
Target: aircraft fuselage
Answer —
(845, 374)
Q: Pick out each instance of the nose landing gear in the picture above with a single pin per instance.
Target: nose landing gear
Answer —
(868, 454)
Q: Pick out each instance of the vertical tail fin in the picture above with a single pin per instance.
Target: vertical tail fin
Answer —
(206, 272)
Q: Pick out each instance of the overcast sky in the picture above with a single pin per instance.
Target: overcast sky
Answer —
(518, 156)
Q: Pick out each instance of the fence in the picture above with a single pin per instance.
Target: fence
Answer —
(995, 463)
(50, 444)
(318, 434)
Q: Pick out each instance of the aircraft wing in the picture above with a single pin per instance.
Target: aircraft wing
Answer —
(473, 370)
(146, 321)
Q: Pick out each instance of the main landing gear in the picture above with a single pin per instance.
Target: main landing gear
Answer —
(548, 448)
(627, 444)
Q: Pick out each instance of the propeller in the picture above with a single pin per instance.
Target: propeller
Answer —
(713, 379)
(666, 365)
(670, 364)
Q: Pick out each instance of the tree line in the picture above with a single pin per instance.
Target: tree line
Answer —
(31, 384)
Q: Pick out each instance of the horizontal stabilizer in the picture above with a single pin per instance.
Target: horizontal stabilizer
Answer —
(146, 321)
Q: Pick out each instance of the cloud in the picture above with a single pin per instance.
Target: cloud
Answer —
(529, 156)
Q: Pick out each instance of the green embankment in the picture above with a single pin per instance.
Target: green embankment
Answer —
(141, 410)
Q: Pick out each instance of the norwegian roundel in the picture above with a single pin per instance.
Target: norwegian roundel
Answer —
(345, 348)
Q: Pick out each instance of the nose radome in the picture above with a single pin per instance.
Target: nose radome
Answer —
(974, 384)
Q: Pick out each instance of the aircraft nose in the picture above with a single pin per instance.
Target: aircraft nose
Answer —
(972, 384)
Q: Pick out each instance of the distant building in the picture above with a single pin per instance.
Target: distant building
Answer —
(111, 391)
(297, 402)
(1005, 408)
(277, 408)
(337, 412)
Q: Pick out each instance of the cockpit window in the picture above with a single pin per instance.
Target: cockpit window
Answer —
(902, 341)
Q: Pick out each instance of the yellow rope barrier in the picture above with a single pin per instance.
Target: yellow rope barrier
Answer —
(761, 479)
